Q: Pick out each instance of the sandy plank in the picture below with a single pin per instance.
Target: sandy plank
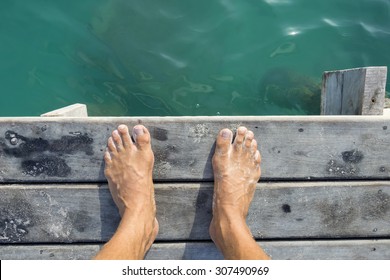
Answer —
(85, 213)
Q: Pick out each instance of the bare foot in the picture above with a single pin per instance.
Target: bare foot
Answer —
(128, 169)
(236, 171)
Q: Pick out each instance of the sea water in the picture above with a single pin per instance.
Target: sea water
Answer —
(183, 57)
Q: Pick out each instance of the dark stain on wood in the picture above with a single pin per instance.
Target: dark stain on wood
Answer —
(338, 214)
(41, 156)
(79, 219)
(23, 146)
(159, 133)
(286, 208)
(70, 144)
(51, 166)
(353, 156)
(375, 205)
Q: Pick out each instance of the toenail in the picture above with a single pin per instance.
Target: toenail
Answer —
(241, 129)
(226, 134)
(122, 127)
(138, 131)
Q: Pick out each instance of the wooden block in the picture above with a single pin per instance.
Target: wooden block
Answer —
(75, 110)
(292, 148)
(298, 210)
(279, 250)
(374, 91)
(359, 91)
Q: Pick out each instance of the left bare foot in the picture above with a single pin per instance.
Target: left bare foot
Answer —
(129, 167)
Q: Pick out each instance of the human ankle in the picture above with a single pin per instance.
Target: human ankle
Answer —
(138, 222)
(228, 223)
(226, 233)
(229, 212)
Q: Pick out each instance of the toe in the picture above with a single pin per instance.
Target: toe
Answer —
(124, 132)
(107, 157)
(257, 157)
(117, 140)
(240, 136)
(248, 139)
(224, 139)
(253, 146)
(141, 136)
(111, 145)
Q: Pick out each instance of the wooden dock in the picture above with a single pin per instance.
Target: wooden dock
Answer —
(324, 191)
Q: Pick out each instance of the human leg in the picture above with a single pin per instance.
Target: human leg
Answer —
(128, 169)
(236, 172)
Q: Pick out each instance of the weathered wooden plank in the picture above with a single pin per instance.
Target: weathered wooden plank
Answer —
(64, 150)
(48, 252)
(331, 93)
(85, 213)
(75, 110)
(374, 91)
(358, 91)
(279, 250)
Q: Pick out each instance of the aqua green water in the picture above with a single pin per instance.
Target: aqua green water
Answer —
(178, 57)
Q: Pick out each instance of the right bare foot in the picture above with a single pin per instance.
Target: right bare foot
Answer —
(236, 172)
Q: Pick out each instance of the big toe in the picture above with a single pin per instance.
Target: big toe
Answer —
(224, 140)
(141, 136)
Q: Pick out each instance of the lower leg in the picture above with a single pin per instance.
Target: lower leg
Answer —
(236, 172)
(128, 168)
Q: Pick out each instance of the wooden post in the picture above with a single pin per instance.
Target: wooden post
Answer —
(75, 110)
(358, 91)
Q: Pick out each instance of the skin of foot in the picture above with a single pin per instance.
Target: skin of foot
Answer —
(128, 169)
(237, 170)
